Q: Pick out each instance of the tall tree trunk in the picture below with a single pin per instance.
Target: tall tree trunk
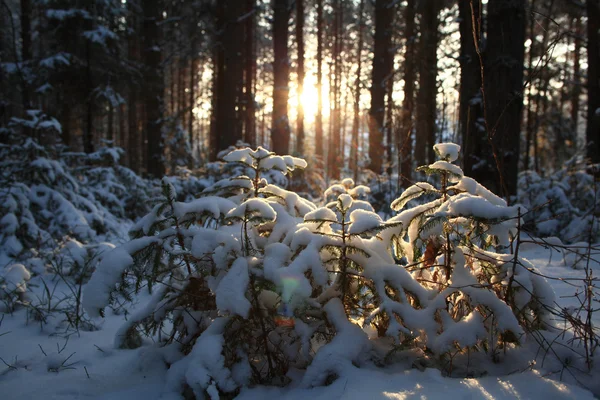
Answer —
(133, 96)
(280, 134)
(530, 114)
(88, 134)
(153, 88)
(192, 100)
(300, 44)
(543, 83)
(388, 122)
(470, 111)
(576, 77)
(381, 53)
(25, 45)
(505, 52)
(333, 154)
(250, 81)
(227, 117)
(426, 96)
(319, 116)
(356, 118)
(406, 120)
(593, 114)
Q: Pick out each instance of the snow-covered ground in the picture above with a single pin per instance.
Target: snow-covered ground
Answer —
(40, 364)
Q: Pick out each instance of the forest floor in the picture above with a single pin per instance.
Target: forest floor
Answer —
(40, 362)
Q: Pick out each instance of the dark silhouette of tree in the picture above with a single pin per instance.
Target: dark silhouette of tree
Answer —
(280, 133)
(153, 88)
(300, 79)
(593, 85)
(471, 112)
(503, 81)
(381, 71)
(426, 95)
(406, 125)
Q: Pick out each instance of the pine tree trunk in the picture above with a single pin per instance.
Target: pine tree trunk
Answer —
(250, 73)
(280, 134)
(25, 45)
(88, 135)
(530, 115)
(470, 112)
(593, 113)
(380, 72)
(333, 154)
(503, 90)
(426, 96)
(227, 117)
(406, 120)
(576, 77)
(356, 118)
(132, 100)
(319, 116)
(192, 100)
(300, 44)
(153, 88)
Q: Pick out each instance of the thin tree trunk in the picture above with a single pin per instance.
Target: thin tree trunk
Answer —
(388, 122)
(406, 122)
(25, 45)
(334, 156)
(250, 73)
(192, 101)
(88, 138)
(300, 44)
(356, 118)
(576, 93)
(530, 116)
(319, 116)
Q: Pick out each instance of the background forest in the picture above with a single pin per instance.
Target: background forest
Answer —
(355, 84)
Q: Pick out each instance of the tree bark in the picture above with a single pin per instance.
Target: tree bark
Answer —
(333, 153)
(280, 134)
(153, 88)
(505, 52)
(470, 111)
(25, 45)
(356, 118)
(380, 72)
(250, 74)
(300, 44)
(228, 90)
(406, 118)
(319, 116)
(426, 96)
(593, 84)
(576, 77)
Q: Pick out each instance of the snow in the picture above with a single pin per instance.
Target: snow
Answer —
(14, 279)
(479, 207)
(232, 289)
(240, 241)
(455, 173)
(97, 292)
(447, 151)
(363, 221)
(252, 208)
